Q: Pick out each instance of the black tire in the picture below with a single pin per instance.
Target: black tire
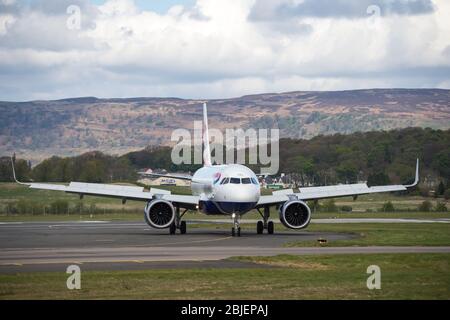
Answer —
(270, 227)
(233, 233)
(172, 228)
(239, 231)
(183, 227)
(259, 227)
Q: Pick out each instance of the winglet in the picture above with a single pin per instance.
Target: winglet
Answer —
(14, 173)
(206, 149)
(416, 180)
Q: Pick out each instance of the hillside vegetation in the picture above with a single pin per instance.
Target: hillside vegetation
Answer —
(68, 127)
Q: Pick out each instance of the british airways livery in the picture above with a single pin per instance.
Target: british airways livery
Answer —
(230, 189)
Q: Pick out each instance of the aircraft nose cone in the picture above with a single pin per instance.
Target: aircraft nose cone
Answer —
(243, 193)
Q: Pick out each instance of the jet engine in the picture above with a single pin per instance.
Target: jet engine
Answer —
(159, 214)
(295, 214)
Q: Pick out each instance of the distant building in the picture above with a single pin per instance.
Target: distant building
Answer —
(276, 183)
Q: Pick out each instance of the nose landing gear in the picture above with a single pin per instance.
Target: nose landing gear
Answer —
(236, 230)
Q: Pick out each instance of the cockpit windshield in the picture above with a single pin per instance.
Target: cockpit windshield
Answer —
(239, 181)
(235, 180)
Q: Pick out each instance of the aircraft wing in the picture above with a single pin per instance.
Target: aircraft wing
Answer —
(97, 189)
(344, 190)
(115, 191)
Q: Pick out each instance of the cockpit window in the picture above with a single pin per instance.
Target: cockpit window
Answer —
(235, 180)
(254, 181)
(246, 181)
(225, 181)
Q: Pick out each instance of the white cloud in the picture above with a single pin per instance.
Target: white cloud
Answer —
(213, 50)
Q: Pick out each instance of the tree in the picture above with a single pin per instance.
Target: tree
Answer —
(346, 208)
(329, 206)
(447, 194)
(388, 207)
(440, 189)
(440, 207)
(425, 206)
(347, 172)
(378, 179)
(21, 166)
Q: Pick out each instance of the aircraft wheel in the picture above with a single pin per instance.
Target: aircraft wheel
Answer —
(259, 227)
(172, 228)
(270, 227)
(233, 233)
(183, 227)
(239, 231)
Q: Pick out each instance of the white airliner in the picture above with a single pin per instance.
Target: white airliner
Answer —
(230, 189)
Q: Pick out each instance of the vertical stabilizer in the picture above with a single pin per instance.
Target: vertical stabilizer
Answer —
(206, 149)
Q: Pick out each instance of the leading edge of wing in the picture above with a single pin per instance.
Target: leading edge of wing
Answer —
(98, 189)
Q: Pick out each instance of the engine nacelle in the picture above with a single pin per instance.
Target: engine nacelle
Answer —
(295, 214)
(159, 214)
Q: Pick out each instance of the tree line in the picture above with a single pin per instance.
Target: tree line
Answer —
(379, 157)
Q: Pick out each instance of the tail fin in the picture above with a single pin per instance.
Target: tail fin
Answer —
(206, 149)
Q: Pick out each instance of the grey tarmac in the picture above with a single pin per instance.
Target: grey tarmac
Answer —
(42, 246)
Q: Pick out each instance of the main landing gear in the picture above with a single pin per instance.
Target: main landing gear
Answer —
(178, 224)
(265, 224)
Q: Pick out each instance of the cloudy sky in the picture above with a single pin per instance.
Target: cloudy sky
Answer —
(219, 48)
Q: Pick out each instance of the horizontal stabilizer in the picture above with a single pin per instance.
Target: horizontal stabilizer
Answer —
(162, 175)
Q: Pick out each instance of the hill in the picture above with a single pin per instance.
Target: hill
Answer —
(38, 129)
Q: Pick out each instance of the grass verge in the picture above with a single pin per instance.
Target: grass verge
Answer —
(382, 234)
(403, 276)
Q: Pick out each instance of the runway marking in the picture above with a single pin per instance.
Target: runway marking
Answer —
(94, 221)
(182, 242)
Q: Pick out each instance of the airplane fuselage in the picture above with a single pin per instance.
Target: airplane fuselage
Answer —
(226, 189)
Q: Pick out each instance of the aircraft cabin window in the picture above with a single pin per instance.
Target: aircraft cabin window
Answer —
(235, 180)
(225, 181)
(254, 181)
(246, 181)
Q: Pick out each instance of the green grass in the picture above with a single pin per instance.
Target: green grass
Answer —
(73, 217)
(403, 276)
(382, 234)
(382, 215)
